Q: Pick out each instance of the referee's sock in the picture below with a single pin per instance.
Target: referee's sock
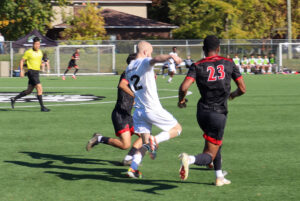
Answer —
(40, 98)
(20, 95)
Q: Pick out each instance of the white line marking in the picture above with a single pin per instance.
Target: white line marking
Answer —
(94, 103)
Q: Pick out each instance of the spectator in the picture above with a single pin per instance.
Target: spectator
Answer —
(188, 62)
(1, 44)
(252, 62)
(45, 62)
(267, 65)
(245, 65)
(237, 62)
(259, 64)
(272, 60)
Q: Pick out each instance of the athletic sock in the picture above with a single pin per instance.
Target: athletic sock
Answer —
(170, 79)
(203, 159)
(137, 158)
(40, 98)
(66, 72)
(20, 95)
(192, 160)
(162, 136)
(132, 151)
(76, 70)
(218, 161)
(219, 173)
(102, 139)
(248, 70)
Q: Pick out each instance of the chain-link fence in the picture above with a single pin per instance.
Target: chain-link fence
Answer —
(193, 48)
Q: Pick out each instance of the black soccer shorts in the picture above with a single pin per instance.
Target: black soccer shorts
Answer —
(213, 125)
(122, 122)
(34, 77)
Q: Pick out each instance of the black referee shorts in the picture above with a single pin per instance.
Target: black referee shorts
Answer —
(213, 125)
(122, 122)
(33, 77)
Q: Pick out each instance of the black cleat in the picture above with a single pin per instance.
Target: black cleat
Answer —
(44, 109)
(12, 102)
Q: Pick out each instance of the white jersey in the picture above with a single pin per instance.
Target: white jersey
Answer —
(172, 60)
(142, 81)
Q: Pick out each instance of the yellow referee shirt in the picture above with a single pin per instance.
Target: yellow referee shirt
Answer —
(33, 59)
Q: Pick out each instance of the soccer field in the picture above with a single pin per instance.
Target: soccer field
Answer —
(43, 155)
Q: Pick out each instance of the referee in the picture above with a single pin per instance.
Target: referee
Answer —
(33, 58)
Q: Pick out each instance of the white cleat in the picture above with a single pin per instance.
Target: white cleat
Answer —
(184, 168)
(221, 181)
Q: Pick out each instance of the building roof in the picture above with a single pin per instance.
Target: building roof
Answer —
(119, 20)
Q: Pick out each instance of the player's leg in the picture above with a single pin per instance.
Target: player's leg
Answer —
(269, 68)
(66, 71)
(21, 94)
(76, 70)
(135, 147)
(263, 69)
(43, 66)
(39, 96)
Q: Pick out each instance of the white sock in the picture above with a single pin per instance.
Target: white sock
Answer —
(263, 71)
(248, 70)
(137, 158)
(162, 136)
(270, 70)
(128, 158)
(99, 138)
(192, 159)
(219, 173)
(170, 79)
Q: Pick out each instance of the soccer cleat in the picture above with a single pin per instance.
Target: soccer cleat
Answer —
(93, 141)
(184, 168)
(74, 77)
(63, 77)
(221, 181)
(134, 174)
(127, 162)
(12, 102)
(153, 147)
(44, 109)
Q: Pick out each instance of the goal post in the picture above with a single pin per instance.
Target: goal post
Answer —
(94, 59)
(289, 59)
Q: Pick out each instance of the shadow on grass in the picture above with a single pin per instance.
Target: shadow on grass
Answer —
(115, 175)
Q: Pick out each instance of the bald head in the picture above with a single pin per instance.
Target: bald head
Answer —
(145, 49)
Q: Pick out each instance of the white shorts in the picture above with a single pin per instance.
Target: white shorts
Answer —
(143, 120)
(172, 67)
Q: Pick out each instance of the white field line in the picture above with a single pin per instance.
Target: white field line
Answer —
(93, 103)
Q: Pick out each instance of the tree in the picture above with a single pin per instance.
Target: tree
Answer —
(19, 17)
(247, 19)
(87, 24)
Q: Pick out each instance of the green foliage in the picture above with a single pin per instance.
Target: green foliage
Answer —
(19, 17)
(246, 19)
(88, 24)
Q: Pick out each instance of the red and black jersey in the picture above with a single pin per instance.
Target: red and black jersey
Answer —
(75, 57)
(213, 77)
(124, 101)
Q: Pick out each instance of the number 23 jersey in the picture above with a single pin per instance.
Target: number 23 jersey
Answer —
(213, 77)
(141, 77)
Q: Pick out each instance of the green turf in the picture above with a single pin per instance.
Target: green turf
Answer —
(43, 155)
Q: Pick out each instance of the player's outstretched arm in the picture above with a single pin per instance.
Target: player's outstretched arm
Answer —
(124, 86)
(240, 90)
(182, 92)
(163, 58)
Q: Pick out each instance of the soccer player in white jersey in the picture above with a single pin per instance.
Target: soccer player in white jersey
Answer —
(172, 64)
(148, 109)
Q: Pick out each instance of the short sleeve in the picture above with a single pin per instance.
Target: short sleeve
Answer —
(236, 75)
(191, 73)
(26, 55)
